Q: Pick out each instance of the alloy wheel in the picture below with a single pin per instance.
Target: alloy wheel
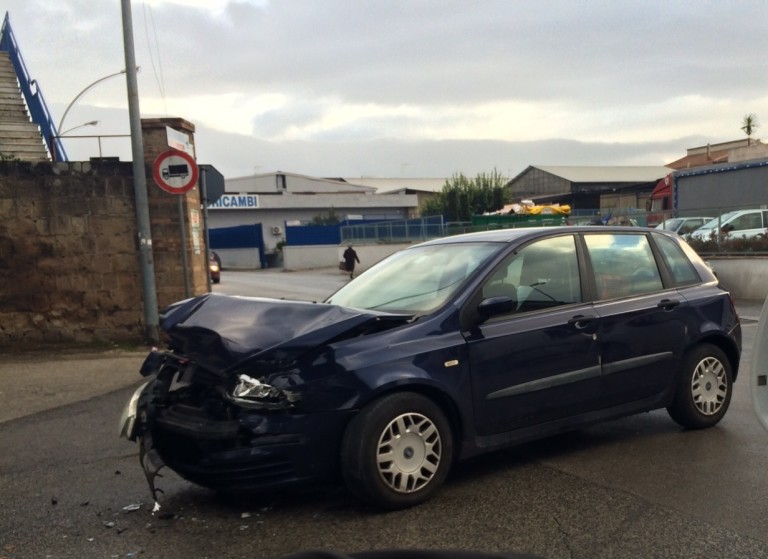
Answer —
(709, 386)
(408, 453)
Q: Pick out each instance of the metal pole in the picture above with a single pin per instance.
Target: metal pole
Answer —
(151, 315)
(183, 235)
(204, 196)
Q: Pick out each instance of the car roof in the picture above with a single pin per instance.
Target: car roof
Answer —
(509, 235)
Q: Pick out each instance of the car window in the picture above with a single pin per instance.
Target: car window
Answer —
(541, 275)
(679, 266)
(417, 280)
(714, 223)
(623, 264)
(690, 225)
(747, 221)
(670, 224)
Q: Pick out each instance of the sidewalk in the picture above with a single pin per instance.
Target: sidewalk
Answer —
(34, 382)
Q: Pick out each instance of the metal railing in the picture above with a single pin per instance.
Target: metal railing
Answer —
(97, 137)
(33, 96)
(422, 229)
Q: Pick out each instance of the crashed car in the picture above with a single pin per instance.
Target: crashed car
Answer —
(445, 350)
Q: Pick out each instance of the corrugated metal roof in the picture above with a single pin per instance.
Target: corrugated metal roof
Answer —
(389, 185)
(607, 174)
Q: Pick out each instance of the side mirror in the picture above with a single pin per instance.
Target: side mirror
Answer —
(494, 306)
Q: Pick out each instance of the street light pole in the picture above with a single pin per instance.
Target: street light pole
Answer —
(89, 123)
(149, 290)
(79, 95)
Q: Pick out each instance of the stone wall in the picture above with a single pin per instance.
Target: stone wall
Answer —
(70, 266)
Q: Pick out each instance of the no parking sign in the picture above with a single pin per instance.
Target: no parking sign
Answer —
(175, 171)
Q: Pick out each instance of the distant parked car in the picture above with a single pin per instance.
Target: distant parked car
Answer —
(214, 266)
(683, 225)
(739, 223)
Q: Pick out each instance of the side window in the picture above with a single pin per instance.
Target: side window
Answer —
(541, 275)
(623, 264)
(679, 266)
(746, 221)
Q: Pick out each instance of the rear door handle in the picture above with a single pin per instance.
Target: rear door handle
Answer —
(668, 304)
(581, 321)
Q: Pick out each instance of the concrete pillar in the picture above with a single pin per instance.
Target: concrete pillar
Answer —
(166, 213)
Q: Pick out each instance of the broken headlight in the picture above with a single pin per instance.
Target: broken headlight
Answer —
(250, 392)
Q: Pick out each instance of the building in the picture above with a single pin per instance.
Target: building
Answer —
(724, 152)
(423, 188)
(587, 188)
(276, 200)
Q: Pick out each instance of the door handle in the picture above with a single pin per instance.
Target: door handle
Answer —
(581, 321)
(668, 304)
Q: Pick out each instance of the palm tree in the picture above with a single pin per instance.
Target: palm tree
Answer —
(749, 125)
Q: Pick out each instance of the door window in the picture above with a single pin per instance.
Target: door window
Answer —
(541, 275)
(746, 221)
(623, 264)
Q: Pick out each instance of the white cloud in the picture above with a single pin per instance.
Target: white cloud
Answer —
(302, 77)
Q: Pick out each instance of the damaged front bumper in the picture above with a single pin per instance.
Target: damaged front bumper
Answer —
(253, 450)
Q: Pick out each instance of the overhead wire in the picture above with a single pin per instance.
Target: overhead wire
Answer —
(157, 70)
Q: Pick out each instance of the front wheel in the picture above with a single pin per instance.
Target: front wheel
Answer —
(704, 389)
(397, 451)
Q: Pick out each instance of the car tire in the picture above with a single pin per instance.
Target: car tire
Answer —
(704, 388)
(397, 451)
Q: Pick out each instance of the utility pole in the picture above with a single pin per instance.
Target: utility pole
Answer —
(151, 317)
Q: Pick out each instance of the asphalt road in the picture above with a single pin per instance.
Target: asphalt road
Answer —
(636, 487)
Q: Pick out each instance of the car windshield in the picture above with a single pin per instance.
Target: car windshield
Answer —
(417, 280)
(718, 220)
(670, 224)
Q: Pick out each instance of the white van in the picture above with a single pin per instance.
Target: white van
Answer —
(740, 223)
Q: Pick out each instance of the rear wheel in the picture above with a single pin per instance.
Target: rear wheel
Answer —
(704, 389)
(397, 451)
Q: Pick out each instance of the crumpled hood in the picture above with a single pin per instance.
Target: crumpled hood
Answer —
(220, 331)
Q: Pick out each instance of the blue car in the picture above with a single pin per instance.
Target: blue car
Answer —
(440, 352)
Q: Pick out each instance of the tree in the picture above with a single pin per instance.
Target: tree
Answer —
(749, 125)
(330, 219)
(462, 197)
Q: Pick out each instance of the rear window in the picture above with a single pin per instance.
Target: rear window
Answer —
(679, 266)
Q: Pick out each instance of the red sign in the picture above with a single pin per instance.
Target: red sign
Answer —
(175, 171)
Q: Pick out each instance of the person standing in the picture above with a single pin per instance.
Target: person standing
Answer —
(350, 256)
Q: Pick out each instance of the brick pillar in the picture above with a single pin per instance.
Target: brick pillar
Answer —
(165, 216)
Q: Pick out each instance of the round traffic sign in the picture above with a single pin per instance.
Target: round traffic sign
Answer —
(175, 171)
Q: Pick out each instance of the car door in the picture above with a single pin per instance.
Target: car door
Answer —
(642, 330)
(539, 362)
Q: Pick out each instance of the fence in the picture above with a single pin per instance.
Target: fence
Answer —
(389, 232)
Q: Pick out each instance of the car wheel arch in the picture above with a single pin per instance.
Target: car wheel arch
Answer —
(724, 344)
(704, 388)
(442, 399)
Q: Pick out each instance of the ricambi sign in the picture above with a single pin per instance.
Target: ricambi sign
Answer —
(236, 202)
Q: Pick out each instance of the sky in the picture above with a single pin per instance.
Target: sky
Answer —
(400, 89)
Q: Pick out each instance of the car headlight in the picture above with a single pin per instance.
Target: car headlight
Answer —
(251, 392)
(127, 426)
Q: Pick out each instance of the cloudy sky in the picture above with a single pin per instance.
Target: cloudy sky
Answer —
(397, 88)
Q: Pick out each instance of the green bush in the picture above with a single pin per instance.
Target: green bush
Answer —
(729, 244)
